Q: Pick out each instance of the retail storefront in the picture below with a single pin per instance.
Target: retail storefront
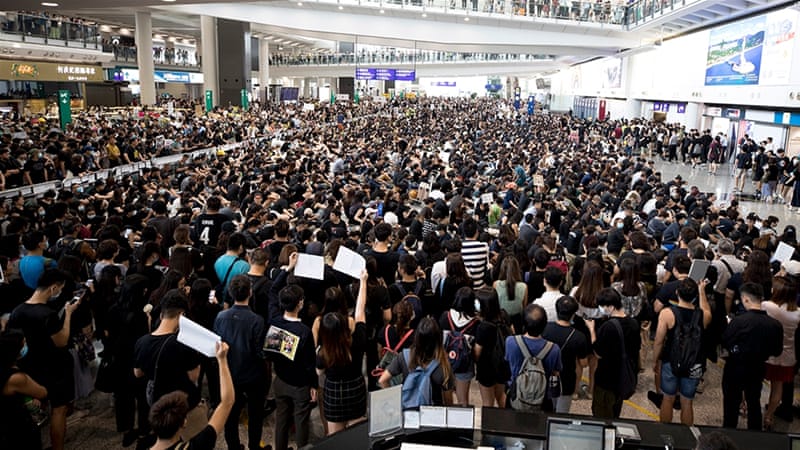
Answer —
(32, 86)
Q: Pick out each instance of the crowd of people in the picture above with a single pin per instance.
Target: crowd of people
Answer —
(392, 55)
(525, 253)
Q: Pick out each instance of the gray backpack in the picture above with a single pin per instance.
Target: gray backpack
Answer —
(529, 388)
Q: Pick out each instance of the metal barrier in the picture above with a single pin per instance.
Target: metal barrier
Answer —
(118, 172)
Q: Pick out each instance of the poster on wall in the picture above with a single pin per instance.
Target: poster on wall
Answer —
(612, 73)
(734, 53)
(781, 30)
(793, 143)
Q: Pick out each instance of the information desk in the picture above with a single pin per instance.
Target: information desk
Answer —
(508, 429)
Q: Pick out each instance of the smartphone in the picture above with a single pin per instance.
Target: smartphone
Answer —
(212, 296)
(89, 283)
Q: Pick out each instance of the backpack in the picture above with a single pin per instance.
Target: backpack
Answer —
(388, 355)
(458, 349)
(412, 297)
(686, 343)
(417, 390)
(529, 388)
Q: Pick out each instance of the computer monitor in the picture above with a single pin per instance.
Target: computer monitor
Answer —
(794, 442)
(569, 434)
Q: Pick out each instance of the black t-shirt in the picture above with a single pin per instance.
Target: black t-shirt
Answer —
(38, 323)
(535, 284)
(572, 349)
(609, 348)
(394, 338)
(207, 228)
(36, 170)
(487, 374)
(352, 370)
(175, 362)
(387, 264)
(204, 440)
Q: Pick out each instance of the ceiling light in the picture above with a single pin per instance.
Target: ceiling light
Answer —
(168, 1)
(424, 15)
(341, 7)
(299, 3)
(50, 4)
(382, 11)
(466, 19)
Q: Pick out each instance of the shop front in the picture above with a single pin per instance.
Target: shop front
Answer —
(32, 87)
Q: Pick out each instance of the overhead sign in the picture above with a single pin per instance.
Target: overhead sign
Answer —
(385, 74)
(160, 76)
(42, 71)
(171, 77)
(443, 83)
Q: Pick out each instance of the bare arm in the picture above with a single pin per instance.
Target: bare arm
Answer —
(61, 339)
(361, 301)
(665, 319)
(21, 383)
(704, 305)
(217, 420)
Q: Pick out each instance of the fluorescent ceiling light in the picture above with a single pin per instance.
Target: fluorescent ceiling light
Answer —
(50, 4)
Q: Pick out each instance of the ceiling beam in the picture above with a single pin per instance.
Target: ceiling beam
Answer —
(719, 9)
(706, 15)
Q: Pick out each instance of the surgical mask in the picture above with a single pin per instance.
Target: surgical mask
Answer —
(81, 208)
(620, 225)
(56, 295)
(90, 216)
(80, 189)
(42, 213)
(162, 191)
(24, 351)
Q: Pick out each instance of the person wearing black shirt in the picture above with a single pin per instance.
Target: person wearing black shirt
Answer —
(34, 168)
(245, 331)
(48, 361)
(383, 254)
(750, 339)
(208, 226)
(575, 350)
(607, 342)
(168, 416)
(296, 382)
(340, 358)
(11, 169)
(167, 364)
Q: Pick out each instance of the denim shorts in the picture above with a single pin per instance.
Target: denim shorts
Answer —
(466, 376)
(671, 385)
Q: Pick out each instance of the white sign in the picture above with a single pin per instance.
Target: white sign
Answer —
(349, 262)
(197, 337)
(310, 266)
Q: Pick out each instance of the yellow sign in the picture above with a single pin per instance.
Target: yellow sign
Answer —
(44, 71)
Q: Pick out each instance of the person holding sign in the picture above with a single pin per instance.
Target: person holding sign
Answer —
(340, 356)
(168, 416)
(291, 347)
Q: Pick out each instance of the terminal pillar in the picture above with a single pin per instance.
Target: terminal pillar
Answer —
(144, 57)
(208, 49)
(233, 60)
(263, 69)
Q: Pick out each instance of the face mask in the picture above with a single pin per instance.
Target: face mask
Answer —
(80, 189)
(477, 306)
(620, 225)
(24, 351)
(42, 213)
(56, 295)
(162, 191)
(90, 216)
(81, 208)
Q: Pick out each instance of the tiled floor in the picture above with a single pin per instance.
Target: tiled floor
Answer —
(96, 431)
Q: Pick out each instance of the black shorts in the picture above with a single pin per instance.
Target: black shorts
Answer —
(58, 378)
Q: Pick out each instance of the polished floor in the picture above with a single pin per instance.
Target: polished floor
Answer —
(96, 430)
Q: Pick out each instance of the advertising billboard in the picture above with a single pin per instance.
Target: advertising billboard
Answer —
(734, 53)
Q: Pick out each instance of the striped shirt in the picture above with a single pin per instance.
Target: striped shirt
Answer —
(476, 260)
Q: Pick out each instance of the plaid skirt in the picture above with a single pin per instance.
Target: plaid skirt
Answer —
(344, 400)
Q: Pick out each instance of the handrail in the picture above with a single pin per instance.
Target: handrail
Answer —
(50, 29)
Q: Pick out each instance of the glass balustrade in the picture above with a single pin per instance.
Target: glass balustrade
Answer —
(394, 56)
(171, 56)
(50, 30)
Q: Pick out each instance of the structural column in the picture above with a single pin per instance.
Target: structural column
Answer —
(208, 55)
(233, 60)
(263, 70)
(144, 57)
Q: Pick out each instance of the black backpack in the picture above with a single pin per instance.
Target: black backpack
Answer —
(686, 343)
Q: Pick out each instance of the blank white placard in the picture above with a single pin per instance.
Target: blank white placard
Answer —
(310, 266)
(411, 420)
(433, 416)
(463, 418)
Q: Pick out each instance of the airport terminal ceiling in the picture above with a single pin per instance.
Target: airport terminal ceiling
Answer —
(390, 25)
